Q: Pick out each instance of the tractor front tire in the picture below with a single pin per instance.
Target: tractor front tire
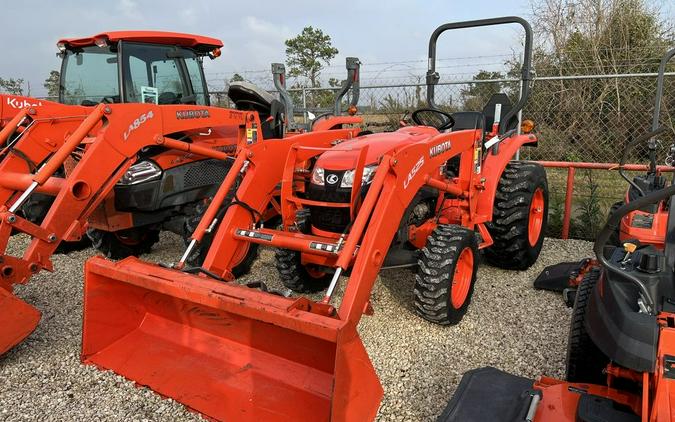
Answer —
(446, 275)
(519, 217)
(298, 277)
(585, 362)
(196, 258)
(35, 209)
(293, 274)
(124, 243)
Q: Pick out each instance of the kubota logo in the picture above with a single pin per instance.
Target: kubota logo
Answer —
(137, 123)
(192, 114)
(332, 179)
(439, 149)
(20, 103)
(413, 172)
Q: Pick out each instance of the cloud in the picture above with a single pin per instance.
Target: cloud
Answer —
(130, 10)
(188, 16)
(265, 29)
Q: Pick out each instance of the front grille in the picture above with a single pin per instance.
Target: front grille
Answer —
(328, 218)
(206, 173)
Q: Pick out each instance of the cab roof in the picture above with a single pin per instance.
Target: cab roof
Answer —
(197, 42)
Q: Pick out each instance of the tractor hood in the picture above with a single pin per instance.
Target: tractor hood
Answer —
(346, 154)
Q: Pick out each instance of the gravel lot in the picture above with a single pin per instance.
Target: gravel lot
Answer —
(509, 325)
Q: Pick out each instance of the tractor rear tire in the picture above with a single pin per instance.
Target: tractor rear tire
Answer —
(614, 238)
(196, 258)
(446, 275)
(519, 217)
(585, 362)
(293, 274)
(124, 243)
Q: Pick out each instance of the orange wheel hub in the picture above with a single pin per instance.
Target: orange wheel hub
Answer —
(536, 218)
(461, 281)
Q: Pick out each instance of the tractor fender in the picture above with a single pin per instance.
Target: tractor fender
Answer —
(493, 167)
(336, 121)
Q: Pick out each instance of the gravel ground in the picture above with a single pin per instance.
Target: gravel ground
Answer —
(509, 325)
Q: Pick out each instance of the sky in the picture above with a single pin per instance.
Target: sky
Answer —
(389, 36)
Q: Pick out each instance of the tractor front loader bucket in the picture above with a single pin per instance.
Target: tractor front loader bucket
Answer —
(224, 350)
(17, 320)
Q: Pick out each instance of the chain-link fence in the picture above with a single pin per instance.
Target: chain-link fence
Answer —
(579, 118)
(587, 118)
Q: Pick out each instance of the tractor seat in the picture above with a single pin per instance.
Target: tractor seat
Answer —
(250, 97)
(490, 108)
(468, 120)
(464, 120)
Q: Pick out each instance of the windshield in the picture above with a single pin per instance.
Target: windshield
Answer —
(89, 76)
(158, 74)
(162, 75)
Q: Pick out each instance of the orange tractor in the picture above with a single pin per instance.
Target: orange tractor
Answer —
(647, 225)
(118, 178)
(436, 193)
(164, 189)
(621, 345)
(163, 186)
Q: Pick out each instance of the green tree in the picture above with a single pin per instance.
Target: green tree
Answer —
(236, 78)
(52, 83)
(476, 95)
(592, 119)
(307, 53)
(12, 86)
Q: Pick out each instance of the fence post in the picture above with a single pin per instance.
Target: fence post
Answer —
(304, 105)
(568, 202)
(520, 112)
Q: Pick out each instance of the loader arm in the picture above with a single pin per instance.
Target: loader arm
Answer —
(108, 140)
(263, 356)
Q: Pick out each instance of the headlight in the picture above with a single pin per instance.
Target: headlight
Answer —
(141, 172)
(368, 174)
(317, 176)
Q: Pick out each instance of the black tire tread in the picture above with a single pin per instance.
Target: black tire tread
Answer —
(584, 362)
(110, 246)
(196, 258)
(510, 218)
(292, 273)
(434, 276)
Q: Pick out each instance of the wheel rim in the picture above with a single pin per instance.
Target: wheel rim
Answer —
(461, 280)
(536, 220)
(129, 239)
(314, 272)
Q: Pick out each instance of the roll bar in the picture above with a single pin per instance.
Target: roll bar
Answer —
(526, 75)
(657, 107)
(353, 77)
(352, 83)
(279, 77)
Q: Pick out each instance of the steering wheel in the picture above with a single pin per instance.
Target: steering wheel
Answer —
(432, 117)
